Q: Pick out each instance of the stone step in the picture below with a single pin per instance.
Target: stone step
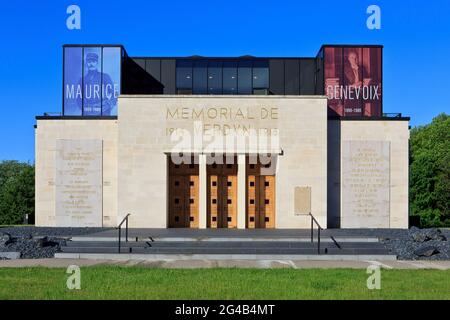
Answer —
(235, 257)
(220, 244)
(218, 250)
(324, 239)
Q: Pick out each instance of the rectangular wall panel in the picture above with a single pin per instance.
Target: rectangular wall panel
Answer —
(307, 76)
(153, 67)
(78, 183)
(365, 184)
(168, 76)
(276, 76)
(291, 77)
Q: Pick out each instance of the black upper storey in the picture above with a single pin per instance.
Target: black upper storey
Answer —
(205, 75)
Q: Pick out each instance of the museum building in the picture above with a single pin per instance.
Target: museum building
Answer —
(222, 142)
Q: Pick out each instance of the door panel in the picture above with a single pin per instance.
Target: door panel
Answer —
(183, 195)
(177, 202)
(193, 201)
(252, 201)
(229, 201)
(260, 198)
(267, 202)
(213, 201)
(222, 196)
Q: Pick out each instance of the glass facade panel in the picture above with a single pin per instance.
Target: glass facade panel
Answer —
(222, 76)
(110, 80)
(260, 74)
(215, 77)
(73, 74)
(184, 75)
(245, 77)
(229, 77)
(92, 81)
(200, 77)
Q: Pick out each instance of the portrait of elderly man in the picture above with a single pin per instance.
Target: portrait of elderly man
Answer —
(353, 70)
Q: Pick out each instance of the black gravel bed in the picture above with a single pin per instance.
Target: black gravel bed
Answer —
(49, 231)
(38, 242)
(419, 244)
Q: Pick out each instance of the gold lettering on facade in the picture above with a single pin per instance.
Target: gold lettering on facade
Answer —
(224, 120)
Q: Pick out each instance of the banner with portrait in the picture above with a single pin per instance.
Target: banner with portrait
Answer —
(353, 80)
(91, 80)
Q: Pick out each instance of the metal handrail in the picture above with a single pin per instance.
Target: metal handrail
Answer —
(319, 228)
(119, 227)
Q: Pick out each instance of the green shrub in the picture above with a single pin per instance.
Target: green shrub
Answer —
(430, 172)
(16, 192)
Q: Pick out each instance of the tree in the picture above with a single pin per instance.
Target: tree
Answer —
(430, 172)
(16, 192)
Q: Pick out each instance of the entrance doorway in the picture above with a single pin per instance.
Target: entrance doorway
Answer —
(222, 195)
(183, 194)
(260, 197)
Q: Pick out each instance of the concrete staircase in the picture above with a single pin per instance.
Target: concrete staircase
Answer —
(146, 248)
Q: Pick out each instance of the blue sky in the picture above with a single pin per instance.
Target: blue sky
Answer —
(416, 36)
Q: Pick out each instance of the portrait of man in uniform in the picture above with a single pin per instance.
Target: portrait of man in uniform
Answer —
(99, 96)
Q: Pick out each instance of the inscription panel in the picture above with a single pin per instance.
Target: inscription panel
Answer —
(78, 177)
(365, 184)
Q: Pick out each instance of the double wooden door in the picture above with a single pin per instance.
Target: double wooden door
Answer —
(260, 198)
(222, 196)
(183, 196)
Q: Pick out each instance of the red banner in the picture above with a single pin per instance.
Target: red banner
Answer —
(353, 80)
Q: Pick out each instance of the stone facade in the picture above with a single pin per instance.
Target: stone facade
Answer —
(303, 143)
(47, 134)
(392, 134)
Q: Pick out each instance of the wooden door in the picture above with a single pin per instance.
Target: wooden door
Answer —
(193, 201)
(213, 201)
(222, 196)
(252, 201)
(267, 202)
(177, 202)
(183, 195)
(260, 198)
(229, 201)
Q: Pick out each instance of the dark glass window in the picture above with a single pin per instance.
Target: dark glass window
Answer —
(260, 74)
(184, 76)
(229, 77)
(200, 77)
(245, 77)
(215, 77)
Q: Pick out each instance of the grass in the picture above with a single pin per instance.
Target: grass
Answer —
(114, 282)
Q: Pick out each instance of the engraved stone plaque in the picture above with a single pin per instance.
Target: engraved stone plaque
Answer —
(78, 180)
(302, 199)
(365, 184)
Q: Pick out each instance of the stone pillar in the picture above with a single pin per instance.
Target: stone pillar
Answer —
(203, 183)
(242, 184)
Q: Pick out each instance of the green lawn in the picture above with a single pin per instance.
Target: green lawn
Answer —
(109, 282)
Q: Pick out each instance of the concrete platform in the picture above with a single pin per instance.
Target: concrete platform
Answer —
(187, 233)
(225, 239)
(255, 257)
(229, 244)
(188, 264)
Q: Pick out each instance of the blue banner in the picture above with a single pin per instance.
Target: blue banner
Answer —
(91, 80)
